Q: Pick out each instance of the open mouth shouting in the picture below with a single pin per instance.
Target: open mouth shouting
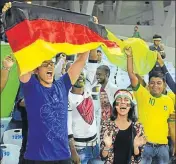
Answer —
(49, 74)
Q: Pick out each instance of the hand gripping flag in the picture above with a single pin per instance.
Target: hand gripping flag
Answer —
(37, 33)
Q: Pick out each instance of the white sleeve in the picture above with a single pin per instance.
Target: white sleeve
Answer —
(91, 69)
(69, 123)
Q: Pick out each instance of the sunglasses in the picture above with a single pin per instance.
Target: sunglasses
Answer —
(47, 64)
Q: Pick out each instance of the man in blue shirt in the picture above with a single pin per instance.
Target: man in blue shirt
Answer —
(47, 106)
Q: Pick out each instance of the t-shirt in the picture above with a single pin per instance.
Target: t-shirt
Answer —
(47, 110)
(122, 146)
(82, 122)
(153, 113)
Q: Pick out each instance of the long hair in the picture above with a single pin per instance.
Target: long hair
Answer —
(131, 113)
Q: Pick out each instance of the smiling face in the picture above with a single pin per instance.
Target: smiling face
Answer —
(101, 76)
(123, 105)
(80, 83)
(156, 86)
(45, 73)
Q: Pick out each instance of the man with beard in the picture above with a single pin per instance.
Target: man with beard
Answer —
(82, 123)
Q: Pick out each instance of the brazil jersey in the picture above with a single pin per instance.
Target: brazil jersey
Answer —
(153, 113)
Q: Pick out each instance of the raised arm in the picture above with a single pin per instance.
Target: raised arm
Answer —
(6, 66)
(24, 78)
(76, 68)
(133, 78)
(169, 80)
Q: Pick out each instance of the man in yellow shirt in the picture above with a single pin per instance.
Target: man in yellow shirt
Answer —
(154, 110)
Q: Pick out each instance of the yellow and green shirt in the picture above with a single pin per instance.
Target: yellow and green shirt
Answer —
(153, 113)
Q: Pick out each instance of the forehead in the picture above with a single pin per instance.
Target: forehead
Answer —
(47, 61)
(101, 70)
(157, 40)
(156, 79)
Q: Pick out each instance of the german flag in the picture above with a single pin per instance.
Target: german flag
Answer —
(37, 33)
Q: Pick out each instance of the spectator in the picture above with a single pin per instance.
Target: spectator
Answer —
(157, 46)
(122, 137)
(136, 33)
(99, 54)
(7, 64)
(47, 117)
(107, 91)
(154, 109)
(82, 123)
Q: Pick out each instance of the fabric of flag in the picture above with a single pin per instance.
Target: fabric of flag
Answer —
(37, 33)
(144, 59)
(8, 94)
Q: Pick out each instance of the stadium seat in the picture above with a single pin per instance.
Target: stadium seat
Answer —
(4, 124)
(10, 154)
(13, 136)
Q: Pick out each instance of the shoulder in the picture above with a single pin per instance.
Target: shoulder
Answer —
(108, 124)
(137, 126)
(32, 82)
(64, 80)
(166, 98)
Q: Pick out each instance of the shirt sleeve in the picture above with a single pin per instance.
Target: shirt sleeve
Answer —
(140, 93)
(27, 87)
(66, 81)
(169, 80)
(91, 69)
(171, 107)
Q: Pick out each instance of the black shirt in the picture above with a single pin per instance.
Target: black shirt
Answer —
(122, 146)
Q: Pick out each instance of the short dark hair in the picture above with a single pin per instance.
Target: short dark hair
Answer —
(99, 51)
(156, 36)
(131, 114)
(105, 68)
(157, 74)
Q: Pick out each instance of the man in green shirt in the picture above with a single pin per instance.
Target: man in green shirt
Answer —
(136, 33)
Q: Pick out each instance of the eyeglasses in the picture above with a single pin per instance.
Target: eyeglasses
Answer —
(47, 64)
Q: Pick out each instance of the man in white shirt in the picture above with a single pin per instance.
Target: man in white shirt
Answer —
(82, 126)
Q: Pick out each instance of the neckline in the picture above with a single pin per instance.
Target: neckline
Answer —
(123, 129)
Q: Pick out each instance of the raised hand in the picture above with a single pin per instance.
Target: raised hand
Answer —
(128, 51)
(8, 62)
(159, 59)
(6, 7)
(161, 47)
(108, 139)
(95, 19)
(139, 140)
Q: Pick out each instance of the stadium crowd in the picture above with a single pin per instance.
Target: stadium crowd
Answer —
(72, 109)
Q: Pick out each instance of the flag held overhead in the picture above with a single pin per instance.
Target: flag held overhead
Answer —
(37, 33)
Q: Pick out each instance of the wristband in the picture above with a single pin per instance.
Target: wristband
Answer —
(5, 68)
(106, 149)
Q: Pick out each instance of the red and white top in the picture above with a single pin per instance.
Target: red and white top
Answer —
(81, 115)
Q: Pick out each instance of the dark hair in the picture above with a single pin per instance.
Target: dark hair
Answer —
(157, 74)
(156, 36)
(99, 51)
(131, 113)
(105, 68)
